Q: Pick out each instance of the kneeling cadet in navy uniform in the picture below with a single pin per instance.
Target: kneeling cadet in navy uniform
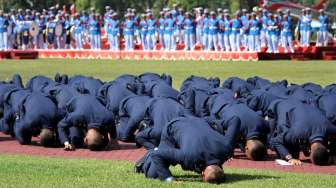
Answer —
(86, 115)
(193, 144)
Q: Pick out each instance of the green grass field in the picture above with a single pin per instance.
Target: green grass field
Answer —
(31, 172)
(322, 72)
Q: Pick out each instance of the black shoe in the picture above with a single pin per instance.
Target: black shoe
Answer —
(138, 145)
(139, 164)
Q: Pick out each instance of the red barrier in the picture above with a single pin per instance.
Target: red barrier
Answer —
(149, 55)
(327, 53)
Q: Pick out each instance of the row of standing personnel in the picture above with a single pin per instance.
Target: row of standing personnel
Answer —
(197, 127)
(211, 30)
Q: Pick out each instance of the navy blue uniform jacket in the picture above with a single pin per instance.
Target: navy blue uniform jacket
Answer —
(86, 111)
(131, 113)
(297, 125)
(36, 112)
(92, 85)
(193, 144)
(159, 111)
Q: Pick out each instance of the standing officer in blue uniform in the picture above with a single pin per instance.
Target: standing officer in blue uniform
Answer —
(182, 142)
(307, 19)
(25, 33)
(162, 29)
(78, 29)
(205, 29)
(179, 26)
(213, 32)
(221, 27)
(51, 25)
(40, 38)
(236, 25)
(273, 31)
(244, 17)
(151, 33)
(4, 23)
(113, 31)
(169, 32)
(254, 34)
(322, 34)
(189, 28)
(95, 32)
(286, 35)
(129, 32)
(87, 117)
(67, 31)
(143, 27)
(263, 31)
(299, 127)
(199, 25)
(227, 32)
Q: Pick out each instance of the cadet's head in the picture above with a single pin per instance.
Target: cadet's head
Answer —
(213, 174)
(47, 138)
(321, 11)
(94, 140)
(288, 12)
(213, 14)
(308, 10)
(187, 14)
(255, 150)
(319, 154)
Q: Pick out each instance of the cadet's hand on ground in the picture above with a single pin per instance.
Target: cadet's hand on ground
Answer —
(68, 147)
(332, 160)
(114, 142)
(177, 182)
(295, 162)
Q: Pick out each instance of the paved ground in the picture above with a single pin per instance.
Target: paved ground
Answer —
(129, 152)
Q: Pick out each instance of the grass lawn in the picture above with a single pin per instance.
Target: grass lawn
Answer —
(32, 172)
(26, 172)
(321, 72)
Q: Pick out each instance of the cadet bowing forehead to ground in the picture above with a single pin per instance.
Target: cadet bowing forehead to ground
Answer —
(86, 115)
(193, 144)
(299, 127)
(37, 115)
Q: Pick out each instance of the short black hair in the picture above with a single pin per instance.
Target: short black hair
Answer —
(47, 138)
(320, 156)
(96, 143)
(96, 146)
(257, 151)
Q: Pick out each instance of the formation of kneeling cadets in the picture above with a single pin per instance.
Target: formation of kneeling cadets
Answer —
(197, 127)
